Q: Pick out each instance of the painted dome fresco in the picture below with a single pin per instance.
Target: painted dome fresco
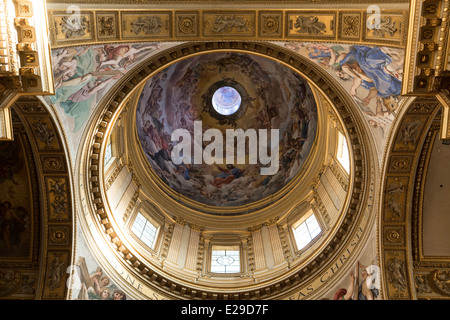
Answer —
(226, 129)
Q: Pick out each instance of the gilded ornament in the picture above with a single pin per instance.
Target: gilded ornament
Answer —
(350, 27)
(9, 282)
(388, 27)
(58, 198)
(310, 25)
(53, 163)
(396, 274)
(186, 24)
(441, 279)
(427, 34)
(393, 236)
(400, 164)
(147, 25)
(24, 9)
(226, 23)
(44, 133)
(271, 24)
(58, 236)
(106, 26)
(74, 27)
(409, 133)
(422, 285)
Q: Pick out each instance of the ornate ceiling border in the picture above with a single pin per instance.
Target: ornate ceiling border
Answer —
(399, 197)
(53, 196)
(94, 26)
(217, 2)
(427, 49)
(91, 180)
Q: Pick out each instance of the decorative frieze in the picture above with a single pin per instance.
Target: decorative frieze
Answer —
(196, 24)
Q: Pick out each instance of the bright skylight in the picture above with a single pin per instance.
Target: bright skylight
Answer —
(342, 153)
(225, 261)
(144, 230)
(306, 231)
(226, 100)
(108, 152)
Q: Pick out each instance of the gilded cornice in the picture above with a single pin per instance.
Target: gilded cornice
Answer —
(106, 26)
(426, 56)
(53, 198)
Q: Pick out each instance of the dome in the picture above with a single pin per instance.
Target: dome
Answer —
(226, 129)
(163, 182)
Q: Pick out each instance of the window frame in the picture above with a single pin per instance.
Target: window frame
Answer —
(232, 246)
(149, 219)
(297, 222)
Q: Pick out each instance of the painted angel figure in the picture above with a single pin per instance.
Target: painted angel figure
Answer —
(117, 57)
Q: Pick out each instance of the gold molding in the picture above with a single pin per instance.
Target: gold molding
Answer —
(53, 240)
(162, 25)
(398, 202)
(426, 48)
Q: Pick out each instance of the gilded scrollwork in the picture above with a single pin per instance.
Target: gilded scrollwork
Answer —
(58, 197)
(351, 25)
(270, 24)
(74, 27)
(147, 25)
(441, 280)
(167, 236)
(422, 284)
(107, 25)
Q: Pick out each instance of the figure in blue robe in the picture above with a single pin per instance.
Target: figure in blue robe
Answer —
(372, 62)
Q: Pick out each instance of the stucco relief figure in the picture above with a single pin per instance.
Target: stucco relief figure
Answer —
(392, 199)
(56, 271)
(396, 274)
(310, 25)
(226, 23)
